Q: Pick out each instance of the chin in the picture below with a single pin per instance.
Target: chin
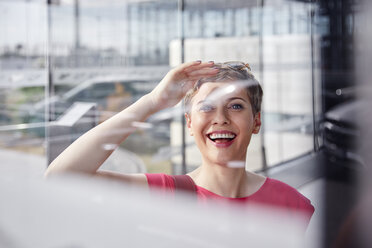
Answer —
(225, 161)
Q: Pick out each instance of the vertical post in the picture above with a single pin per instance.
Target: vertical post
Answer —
(249, 21)
(146, 34)
(49, 87)
(156, 35)
(233, 22)
(181, 9)
(315, 133)
(275, 21)
(141, 38)
(77, 24)
(290, 18)
(129, 35)
(224, 23)
(261, 69)
(77, 32)
(201, 22)
(99, 45)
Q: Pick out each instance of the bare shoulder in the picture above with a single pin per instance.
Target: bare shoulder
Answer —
(133, 179)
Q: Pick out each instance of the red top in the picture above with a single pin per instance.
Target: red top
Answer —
(273, 193)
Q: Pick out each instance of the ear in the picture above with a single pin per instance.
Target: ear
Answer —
(188, 123)
(257, 123)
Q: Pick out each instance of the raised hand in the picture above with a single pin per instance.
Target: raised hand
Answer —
(173, 87)
(86, 155)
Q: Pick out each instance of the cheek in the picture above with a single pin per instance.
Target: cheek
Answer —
(198, 124)
(245, 124)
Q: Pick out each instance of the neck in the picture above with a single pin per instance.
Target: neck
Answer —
(222, 180)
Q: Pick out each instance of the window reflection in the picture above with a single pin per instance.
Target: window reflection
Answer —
(110, 53)
(22, 79)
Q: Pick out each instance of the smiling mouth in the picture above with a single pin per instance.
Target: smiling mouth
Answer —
(221, 137)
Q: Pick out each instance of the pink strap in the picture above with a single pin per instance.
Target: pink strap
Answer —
(184, 183)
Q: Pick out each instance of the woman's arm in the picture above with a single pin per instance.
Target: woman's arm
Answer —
(87, 153)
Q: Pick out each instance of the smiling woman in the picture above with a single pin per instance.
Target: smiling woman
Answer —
(227, 122)
(223, 104)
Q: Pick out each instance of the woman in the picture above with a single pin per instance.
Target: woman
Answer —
(223, 104)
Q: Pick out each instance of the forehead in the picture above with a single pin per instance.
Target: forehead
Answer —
(219, 91)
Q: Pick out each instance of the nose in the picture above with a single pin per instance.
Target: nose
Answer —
(221, 117)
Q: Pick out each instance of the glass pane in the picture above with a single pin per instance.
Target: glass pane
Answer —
(22, 79)
(109, 54)
(287, 80)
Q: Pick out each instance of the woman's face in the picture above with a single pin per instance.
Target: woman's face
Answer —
(222, 122)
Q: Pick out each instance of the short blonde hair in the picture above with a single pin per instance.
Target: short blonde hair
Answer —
(231, 71)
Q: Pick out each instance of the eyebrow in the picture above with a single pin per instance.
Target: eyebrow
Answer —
(229, 99)
(234, 98)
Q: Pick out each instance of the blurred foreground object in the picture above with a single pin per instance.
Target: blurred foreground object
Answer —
(82, 212)
(341, 133)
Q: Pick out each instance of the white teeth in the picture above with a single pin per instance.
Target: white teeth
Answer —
(222, 136)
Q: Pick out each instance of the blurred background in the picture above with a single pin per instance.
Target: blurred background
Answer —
(67, 65)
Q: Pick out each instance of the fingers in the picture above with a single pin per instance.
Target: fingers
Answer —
(193, 70)
(204, 72)
(188, 64)
(196, 66)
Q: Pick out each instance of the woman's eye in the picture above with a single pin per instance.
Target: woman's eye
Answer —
(206, 108)
(236, 106)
